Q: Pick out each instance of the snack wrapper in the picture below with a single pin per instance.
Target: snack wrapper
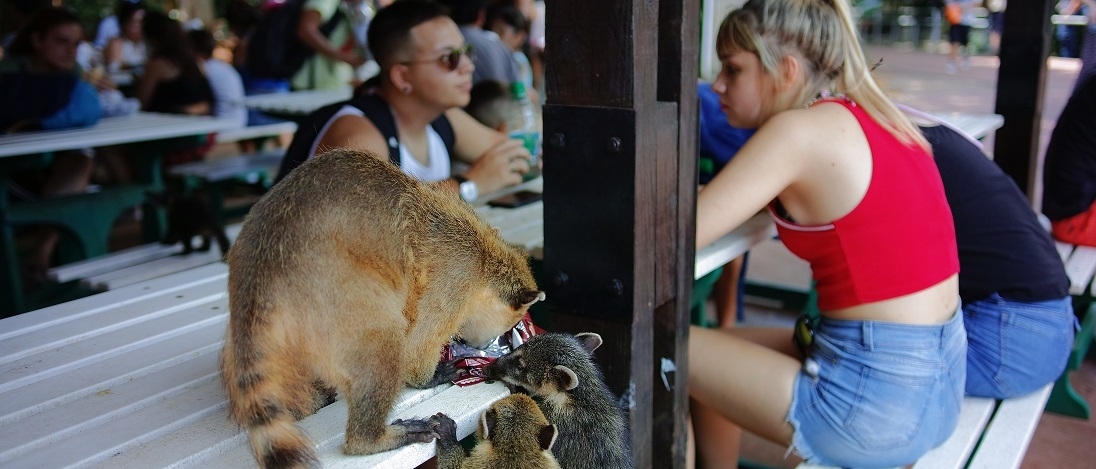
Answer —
(474, 361)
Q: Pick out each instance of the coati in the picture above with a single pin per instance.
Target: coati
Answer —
(513, 434)
(349, 274)
(559, 372)
(189, 216)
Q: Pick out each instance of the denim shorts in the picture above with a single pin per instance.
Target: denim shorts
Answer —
(1016, 347)
(878, 394)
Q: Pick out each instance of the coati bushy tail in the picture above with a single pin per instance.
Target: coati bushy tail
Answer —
(268, 410)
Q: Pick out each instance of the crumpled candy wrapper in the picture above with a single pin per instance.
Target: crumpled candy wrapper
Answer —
(474, 361)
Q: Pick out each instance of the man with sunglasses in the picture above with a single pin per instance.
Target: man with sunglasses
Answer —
(411, 114)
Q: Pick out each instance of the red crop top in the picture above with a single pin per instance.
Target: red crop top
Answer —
(898, 240)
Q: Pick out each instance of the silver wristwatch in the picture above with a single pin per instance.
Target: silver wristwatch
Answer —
(468, 189)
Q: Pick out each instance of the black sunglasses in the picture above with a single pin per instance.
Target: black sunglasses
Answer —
(450, 61)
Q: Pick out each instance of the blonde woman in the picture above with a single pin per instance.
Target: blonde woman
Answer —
(853, 189)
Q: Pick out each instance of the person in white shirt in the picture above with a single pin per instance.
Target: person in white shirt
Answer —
(228, 87)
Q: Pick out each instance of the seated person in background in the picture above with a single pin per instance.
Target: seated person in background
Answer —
(1069, 171)
(42, 88)
(832, 160)
(228, 88)
(127, 50)
(413, 117)
(174, 81)
(494, 60)
(16, 13)
(718, 143)
(512, 29)
(490, 104)
(1016, 305)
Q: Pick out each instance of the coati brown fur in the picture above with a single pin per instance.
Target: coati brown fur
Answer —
(350, 275)
(513, 434)
(558, 370)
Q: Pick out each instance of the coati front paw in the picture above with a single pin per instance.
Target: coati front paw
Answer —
(444, 429)
(415, 431)
(444, 373)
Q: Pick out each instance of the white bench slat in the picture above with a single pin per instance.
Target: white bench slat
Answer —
(955, 452)
(136, 329)
(326, 428)
(1080, 268)
(226, 168)
(52, 392)
(1009, 433)
(124, 258)
(108, 413)
(75, 310)
(257, 131)
(1064, 250)
(150, 270)
(111, 261)
(156, 268)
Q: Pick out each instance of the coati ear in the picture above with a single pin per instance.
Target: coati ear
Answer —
(547, 436)
(565, 379)
(528, 297)
(589, 340)
(487, 424)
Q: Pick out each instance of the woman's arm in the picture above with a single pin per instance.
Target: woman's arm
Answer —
(308, 31)
(816, 159)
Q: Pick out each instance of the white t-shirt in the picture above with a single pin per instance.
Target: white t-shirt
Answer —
(228, 91)
(436, 170)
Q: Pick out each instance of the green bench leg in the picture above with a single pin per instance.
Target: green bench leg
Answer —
(1064, 400)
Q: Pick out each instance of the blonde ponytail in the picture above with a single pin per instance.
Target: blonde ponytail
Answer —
(822, 34)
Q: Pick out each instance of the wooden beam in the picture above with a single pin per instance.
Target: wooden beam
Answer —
(619, 200)
(1021, 78)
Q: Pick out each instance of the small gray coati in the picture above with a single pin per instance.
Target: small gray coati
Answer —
(558, 370)
(349, 275)
(513, 434)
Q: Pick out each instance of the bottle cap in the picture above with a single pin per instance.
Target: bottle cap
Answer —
(517, 90)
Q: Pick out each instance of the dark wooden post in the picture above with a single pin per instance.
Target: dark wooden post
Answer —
(1025, 45)
(619, 199)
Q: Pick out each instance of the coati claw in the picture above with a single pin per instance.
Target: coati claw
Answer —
(415, 431)
(444, 428)
(444, 373)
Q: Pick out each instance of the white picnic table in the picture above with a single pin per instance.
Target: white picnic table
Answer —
(297, 103)
(977, 125)
(89, 216)
(139, 127)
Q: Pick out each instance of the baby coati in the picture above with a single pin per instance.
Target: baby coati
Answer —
(513, 434)
(559, 372)
(189, 216)
(349, 274)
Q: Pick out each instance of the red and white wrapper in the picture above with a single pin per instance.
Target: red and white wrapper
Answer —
(474, 361)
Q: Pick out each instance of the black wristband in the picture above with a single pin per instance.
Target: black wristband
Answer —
(459, 178)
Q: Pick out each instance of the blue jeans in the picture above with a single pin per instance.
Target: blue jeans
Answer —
(1016, 347)
(878, 394)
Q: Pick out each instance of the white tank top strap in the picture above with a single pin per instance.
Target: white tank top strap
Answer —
(438, 166)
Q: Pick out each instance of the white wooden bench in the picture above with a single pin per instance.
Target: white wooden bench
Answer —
(137, 264)
(129, 378)
(257, 131)
(990, 435)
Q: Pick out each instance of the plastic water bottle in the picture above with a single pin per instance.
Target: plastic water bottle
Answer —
(523, 125)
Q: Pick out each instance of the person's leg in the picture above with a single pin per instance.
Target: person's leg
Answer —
(69, 174)
(727, 300)
(717, 439)
(746, 382)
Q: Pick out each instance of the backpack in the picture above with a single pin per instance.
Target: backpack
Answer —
(376, 110)
(274, 50)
